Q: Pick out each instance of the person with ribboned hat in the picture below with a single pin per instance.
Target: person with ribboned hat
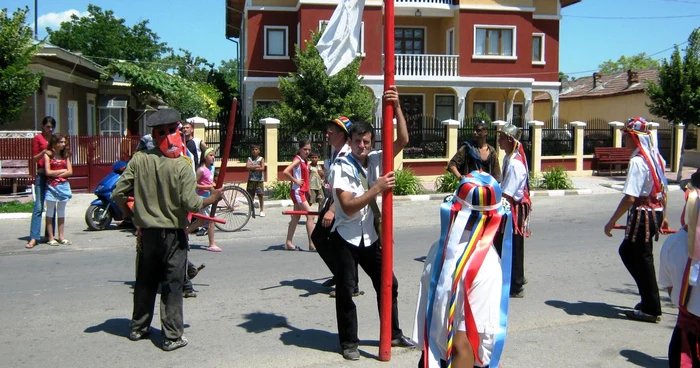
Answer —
(462, 308)
(644, 202)
(515, 185)
(679, 267)
(164, 194)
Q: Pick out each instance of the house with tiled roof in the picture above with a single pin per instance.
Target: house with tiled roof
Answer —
(605, 98)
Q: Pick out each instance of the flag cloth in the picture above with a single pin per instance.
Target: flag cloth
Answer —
(340, 42)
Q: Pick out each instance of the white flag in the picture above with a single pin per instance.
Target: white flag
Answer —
(340, 41)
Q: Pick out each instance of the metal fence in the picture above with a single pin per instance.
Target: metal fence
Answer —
(244, 138)
(465, 131)
(557, 142)
(596, 137)
(288, 144)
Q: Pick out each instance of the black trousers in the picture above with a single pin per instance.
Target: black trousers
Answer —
(674, 348)
(517, 275)
(321, 238)
(638, 257)
(347, 257)
(162, 262)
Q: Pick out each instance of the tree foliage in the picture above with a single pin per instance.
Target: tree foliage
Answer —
(101, 36)
(634, 62)
(676, 95)
(188, 97)
(17, 82)
(310, 97)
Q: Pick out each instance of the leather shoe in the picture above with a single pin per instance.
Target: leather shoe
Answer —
(642, 317)
(137, 335)
(403, 342)
(189, 294)
(351, 354)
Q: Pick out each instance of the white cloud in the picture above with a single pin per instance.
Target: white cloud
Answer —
(54, 20)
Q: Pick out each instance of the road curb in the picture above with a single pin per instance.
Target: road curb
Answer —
(15, 216)
(671, 188)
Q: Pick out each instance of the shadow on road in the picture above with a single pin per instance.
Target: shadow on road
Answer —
(595, 309)
(127, 283)
(312, 287)
(643, 360)
(259, 322)
(281, 247)
(115, 326)
(420, 259)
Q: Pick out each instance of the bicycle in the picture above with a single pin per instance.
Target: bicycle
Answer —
(236, 207)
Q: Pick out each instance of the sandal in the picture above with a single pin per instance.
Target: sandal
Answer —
(53, 243)
(214, 249)
(30, 245)
(65, 242)
(292, 249)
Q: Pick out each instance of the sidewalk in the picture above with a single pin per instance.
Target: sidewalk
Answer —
(585, 185)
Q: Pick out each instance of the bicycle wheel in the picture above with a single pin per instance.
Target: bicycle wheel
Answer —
(235, 207)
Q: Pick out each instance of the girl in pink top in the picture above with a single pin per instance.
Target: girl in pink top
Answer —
(298, 173)
(205, 184)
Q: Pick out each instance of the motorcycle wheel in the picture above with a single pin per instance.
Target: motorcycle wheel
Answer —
(92, 218)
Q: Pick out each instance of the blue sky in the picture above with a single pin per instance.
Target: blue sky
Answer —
(585, 42)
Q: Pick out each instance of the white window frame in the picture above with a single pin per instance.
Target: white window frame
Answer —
(450, 42)
(454, 106)
(362, 35)
(73, 121)
(496, 57)
(542, 60)
(53, 98)
(495, 110)
(91, 113)
(286, 43)
(122, 123)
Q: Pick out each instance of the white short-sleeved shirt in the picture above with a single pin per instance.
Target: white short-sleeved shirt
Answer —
(514, 178)
(328, 163)
(638, 183)
(360, 225)
(674, 256)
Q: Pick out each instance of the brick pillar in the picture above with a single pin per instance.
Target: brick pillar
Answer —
(579, 133)
(499, 125)
(270, 154)
(617, 133)
(536, 145)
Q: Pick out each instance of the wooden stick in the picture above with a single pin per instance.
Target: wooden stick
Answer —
(295, 212)
(663, 231)
(227, 151)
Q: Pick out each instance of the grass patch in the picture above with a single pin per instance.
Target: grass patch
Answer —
(16, 206)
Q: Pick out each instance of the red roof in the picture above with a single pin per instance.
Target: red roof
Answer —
(607, 85)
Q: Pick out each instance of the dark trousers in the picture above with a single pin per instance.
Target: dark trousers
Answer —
(674, 348)
(162, 262)
(321, 238)
(517, 274)
(347, 257)
(638, 258)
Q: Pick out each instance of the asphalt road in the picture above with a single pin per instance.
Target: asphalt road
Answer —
(260, 306)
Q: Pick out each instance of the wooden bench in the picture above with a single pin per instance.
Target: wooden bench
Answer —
(610, 157)
(14, 169)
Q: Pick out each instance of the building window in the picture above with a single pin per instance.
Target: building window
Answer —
(538, 48)
(409, 41)
(111, 121)
(450, 40)
(276, 42)
(487, 107)
(360, 47)
(494, 42)
(444, 107)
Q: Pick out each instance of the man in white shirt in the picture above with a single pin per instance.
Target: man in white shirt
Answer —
(516, 190)
(678, 274)
(356, 183)
(644, 201)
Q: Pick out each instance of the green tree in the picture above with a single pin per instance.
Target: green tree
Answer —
(17, 82)
(634, 62)
(310, 98)
(676, 95)
(102, 36)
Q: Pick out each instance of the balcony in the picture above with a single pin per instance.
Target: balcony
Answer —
(423, 65)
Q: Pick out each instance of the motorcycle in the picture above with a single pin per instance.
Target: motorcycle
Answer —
(103, 210)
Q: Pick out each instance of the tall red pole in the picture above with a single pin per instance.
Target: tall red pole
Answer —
(387, 239)
(227, 150)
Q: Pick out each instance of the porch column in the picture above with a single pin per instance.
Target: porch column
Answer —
(462, 93)
(248, 101)
(616, 127)
(271, 125)
(579, 133)
(555, 111)
(536, 140)
(527, 104)
(501, 153)
(509, 110)
(677, 147)
(451, 126)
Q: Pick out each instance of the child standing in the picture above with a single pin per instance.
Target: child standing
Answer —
(298, 173)
(205, 184)
(316, 176)
(58, 192)
(256, 167)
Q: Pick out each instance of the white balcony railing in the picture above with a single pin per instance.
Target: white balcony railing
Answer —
(417, 2)
(422, 65)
